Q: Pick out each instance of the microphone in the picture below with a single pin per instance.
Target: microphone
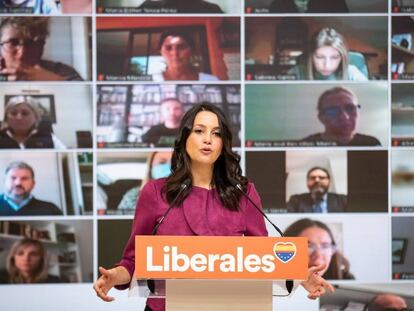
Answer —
(183, 186)
(239, 187)
(289, 283)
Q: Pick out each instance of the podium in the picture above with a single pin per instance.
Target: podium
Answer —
(206, 273)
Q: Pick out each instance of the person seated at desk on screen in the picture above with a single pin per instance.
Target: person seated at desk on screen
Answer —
(328, 59)
(22, 41)
(38, 6)
(27, 264)
(181, 6)
(206, 202)
(177, 48)
(338, 111)
(308, 6)
(318, 199)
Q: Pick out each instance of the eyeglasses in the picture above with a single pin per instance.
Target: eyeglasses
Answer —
(13, 44)
(323, 247)
(335, 111)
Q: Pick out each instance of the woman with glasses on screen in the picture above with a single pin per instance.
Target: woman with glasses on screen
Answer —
(23, 127)
(27, 263)
(22, 41)
(328, 59)
(322, 248)
(177, 48)
(206, 202)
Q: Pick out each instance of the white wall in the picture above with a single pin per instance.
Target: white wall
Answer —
(61, 43)
(63, 297)
(84, 240)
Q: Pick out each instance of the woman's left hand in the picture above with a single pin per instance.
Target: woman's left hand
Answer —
(315, 284)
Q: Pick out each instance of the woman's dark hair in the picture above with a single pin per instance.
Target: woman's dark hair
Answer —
(177, 32)
(226, 172)
(339, 266)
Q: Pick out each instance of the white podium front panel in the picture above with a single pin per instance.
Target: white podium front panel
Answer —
(219, 295)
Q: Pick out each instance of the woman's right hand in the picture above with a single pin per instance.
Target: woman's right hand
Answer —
(108, 279)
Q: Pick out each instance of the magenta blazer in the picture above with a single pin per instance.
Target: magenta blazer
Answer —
(201, 213)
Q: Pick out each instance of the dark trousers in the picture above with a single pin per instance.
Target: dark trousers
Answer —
(147, 308)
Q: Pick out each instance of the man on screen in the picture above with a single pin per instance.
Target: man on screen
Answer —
(164, 134)
(318, 199)
(338, 111)
(22, 41)
(180, 6)
(17, 199)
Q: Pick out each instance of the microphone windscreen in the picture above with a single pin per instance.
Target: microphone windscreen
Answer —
(186, 183)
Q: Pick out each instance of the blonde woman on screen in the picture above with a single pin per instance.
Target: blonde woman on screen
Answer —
(27, 263)
(328, 59)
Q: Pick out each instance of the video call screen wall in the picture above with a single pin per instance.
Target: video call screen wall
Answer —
(319, 96)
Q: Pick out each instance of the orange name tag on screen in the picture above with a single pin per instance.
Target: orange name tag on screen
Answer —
(207, 257)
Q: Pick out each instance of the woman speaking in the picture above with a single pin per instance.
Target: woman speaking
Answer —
(200, 187)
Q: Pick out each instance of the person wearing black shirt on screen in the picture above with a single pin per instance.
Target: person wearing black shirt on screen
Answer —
(171, 111)
(338, 111)
(308, 6)
(17, 199)
(181, 6)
